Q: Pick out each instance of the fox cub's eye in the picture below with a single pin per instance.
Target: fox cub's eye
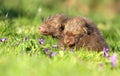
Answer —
(62, 28)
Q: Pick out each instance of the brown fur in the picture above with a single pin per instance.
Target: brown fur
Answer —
(53, 25)
(81, 32)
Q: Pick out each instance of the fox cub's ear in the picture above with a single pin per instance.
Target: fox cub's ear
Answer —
(87, 29)
(62, 27)
(84, 29)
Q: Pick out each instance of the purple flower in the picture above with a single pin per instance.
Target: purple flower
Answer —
(46, 50)
(52, 54)
(3, 39)
(105, 52)
(40, 41)
(64, 49)
(25, 39)
(113, 59)
(72, 49)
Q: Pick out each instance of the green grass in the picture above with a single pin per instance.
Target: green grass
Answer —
(26, 58)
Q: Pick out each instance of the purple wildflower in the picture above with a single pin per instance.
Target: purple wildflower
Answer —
(113, 59)
(52, 54)
(105, 52)
(64, 49)
(3, 39)
(25, 39)
(72, 49)
(46, 50)
(40, 41)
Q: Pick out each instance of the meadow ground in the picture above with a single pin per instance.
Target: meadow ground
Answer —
(22, 54)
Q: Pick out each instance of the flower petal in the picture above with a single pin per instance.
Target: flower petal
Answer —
(105, 52)
(25, 39)
(52, 54)
(113, 59)
(46, 50)
(40, 40)
(3, 39)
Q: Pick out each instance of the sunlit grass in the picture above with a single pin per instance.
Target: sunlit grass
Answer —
(19, 57)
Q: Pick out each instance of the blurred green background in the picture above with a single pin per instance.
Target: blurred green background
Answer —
(20, 15)
(37, 8)
(20, 19)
